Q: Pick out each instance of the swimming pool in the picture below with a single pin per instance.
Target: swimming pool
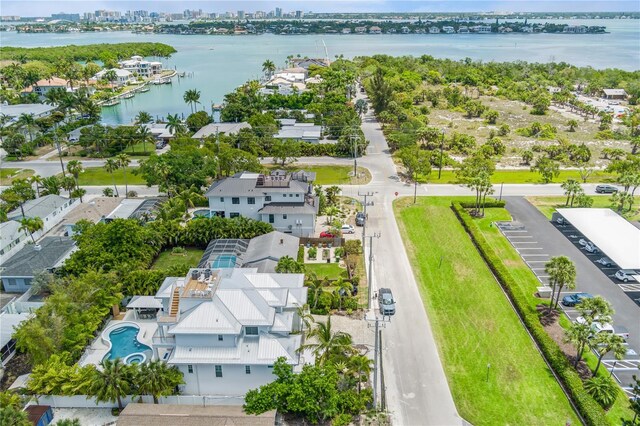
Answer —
(224, 261)
(124, 344)
(201, 213)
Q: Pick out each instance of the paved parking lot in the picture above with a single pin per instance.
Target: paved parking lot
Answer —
(538, 240)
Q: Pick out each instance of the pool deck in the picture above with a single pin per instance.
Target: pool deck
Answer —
(98, 349)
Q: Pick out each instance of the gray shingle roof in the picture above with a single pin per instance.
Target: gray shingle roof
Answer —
(40, 207)
(29, 261)
(271, 246)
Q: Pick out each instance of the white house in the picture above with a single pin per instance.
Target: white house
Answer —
(302, 132)
(225, 328)
(137, 65)
(11, 239)
(448, 29)
(434, 30)
(297, 74)
(50, 208)
(42, 87)
(123, 77)
(284, 200)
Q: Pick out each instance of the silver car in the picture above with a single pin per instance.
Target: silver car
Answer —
(386, 301)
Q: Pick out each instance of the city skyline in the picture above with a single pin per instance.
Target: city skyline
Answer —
(40, 8)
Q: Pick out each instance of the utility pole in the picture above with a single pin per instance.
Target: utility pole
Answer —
(55, 134)
(441, 149)
(377, 353)
(370, 275)
(354, 140)
(364, 226)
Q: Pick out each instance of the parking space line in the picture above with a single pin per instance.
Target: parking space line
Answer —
(524, 242)
(531, 255)
(520, 236)
(529, 248)
(506, 230)
(543, 276)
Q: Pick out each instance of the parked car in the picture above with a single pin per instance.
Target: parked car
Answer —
(574, 299)
(348, 229)
(160, 144)
(608, 328)
(626, 275)
(606, 189)
(583, 242)
(605, 261)
(360, 219)
(591, 248)
(386, 302)
(326, 234)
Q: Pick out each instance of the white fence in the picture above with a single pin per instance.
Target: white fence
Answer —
(82, 401)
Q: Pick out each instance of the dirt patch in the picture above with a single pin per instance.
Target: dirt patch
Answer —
(17, 366)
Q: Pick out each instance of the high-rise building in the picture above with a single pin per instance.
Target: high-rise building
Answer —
(278, 12)
(299, 14)
(241, 14)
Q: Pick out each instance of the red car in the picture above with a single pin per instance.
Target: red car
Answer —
(326, 234)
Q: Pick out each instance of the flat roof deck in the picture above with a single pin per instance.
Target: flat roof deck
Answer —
(618, 239)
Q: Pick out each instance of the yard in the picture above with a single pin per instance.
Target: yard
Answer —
(332, 271)
(8, 175)
(331, 175)
(523, 176)
(548, 205)
(98, 176)
(475, 325)
(166, 259)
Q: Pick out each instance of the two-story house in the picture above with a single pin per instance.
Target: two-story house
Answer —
(284, 200)
(137, 65)
(225, 328)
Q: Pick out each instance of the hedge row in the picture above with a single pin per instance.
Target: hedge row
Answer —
(588, 408)
(488, 204)
(301, 254)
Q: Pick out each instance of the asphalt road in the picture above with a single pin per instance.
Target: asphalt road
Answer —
(590, 277)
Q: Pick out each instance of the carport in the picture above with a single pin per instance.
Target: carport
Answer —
(618, 239)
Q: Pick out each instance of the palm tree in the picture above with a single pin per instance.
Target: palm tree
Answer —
(111, 166)
(562, 272)
(331, 211)
(74, 167)
(268, 67)
(361, 364)
(579, 334)
(123, 161)
(571, 189)
(110, 76)
(288, 265)
(156, 378)
(143, 117)
(190, 196)
(192, 97)
(315, 286)
(111, 382)
(175, 125)
(603, 390)
(68, 183)
(572, 125)
(37, 180)
(31, 225)
(145, 135)
(28, 122)
(51, 185)
(604, 343)
(343, 287)
(329, 343)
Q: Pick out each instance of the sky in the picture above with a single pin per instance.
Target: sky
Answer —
(46, 7)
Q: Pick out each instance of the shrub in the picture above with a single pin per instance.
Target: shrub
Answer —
(312, 253)
(300, 257)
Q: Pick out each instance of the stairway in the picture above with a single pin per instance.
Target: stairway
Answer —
(175, 302)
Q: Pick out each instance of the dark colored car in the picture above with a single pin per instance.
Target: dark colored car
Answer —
(326, 234)
(606, 189)
(360, 219)
(574, 299)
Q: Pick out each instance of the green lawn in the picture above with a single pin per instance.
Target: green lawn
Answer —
(322, 270)
(523, 176)
(99, 176)
(166, 259)
(140, 148)
(7, 175)
(548, 205)
(475, 325)
(331, 175)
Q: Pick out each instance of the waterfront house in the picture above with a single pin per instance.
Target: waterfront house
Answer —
(138, 66)
(15, 111)
(375, 30)
(43, 86)
(294, 74)
(360, 30)
(575, 29)
(614, 94)
(50, 208)
(405, 30)
(434, 30)
(346, 31)
(123, 77)
(220, 128)
(463, 29)
(225, 328)
(283, 200)
(8, 324)
(448, 29)
(47, 255)
(308, 62)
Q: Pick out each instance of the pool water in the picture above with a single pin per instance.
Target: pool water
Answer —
(201, 213)
(224, 261)
(124, 342)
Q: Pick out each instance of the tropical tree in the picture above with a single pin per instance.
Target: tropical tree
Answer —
(144, 134)
(325, 343)
(562, 272)
(110, 76)
(268, 67)
(111, 165)
(547, 168)
(36, 181)
(288, 265)
(175, 125)
(112, 381)
(74, 167)
(603, 390)
(68, 183)
(361, 365)
(19, 193)
(143, 117)
(156, 378)
(417, 163)
(381, 92)
(50, 185)
(573, 124)
(191, 97)
(361, 107)
(603, 343)
(571, 189)
(579, 334)
(123, 161)
(31, 225)
(28, 122)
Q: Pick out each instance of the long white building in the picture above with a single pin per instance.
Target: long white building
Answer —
(225, 328)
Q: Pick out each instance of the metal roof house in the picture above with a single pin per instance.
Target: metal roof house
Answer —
(49, 254)
(614, 94)
(11, 238)
(225, 328)
(215, 128)
(303, 132)
(50, 208)
(284, 200)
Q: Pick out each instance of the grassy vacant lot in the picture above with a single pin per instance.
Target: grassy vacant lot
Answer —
(8, 175)
(523, 176)
(475, 325)
(166, 259)
(548, 205)
(528, 283)
(140, 148)
(331, 175)
(99, 176)
(322, 270)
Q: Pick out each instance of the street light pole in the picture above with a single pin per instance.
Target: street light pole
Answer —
(364, 224)
(441, 149)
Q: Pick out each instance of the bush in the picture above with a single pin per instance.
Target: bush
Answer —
(300, 254)
(569, 378)
(312, 253)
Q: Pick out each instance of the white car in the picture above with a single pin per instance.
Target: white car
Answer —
(348, 229)
(591, 248)
(626, 275)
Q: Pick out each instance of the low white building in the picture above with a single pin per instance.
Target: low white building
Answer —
(123, 77)
(50, 208)
(302, 132)
(297, 74)
(284, 200)
(11, 239)
(137, 65)
(225, 328)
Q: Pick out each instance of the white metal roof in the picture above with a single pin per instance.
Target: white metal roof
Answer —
(618, 239)
(8, 322)
(145, 302)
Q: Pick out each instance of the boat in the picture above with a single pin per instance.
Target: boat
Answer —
(157, 81)
(144, 89)
(165, 81)
(128, 95)
(111, 102)
(182, 74)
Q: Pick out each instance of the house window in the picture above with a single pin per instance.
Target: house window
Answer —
(271, 218)
(222, 199)
(284, 216)
(284, 195)
(235, 200)
(297, 195)
(247, 369)
(232, 215)
(218, 371)
(267, 197)
(220, 338)
(251, 200)
(251, 331)
(190, 368)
